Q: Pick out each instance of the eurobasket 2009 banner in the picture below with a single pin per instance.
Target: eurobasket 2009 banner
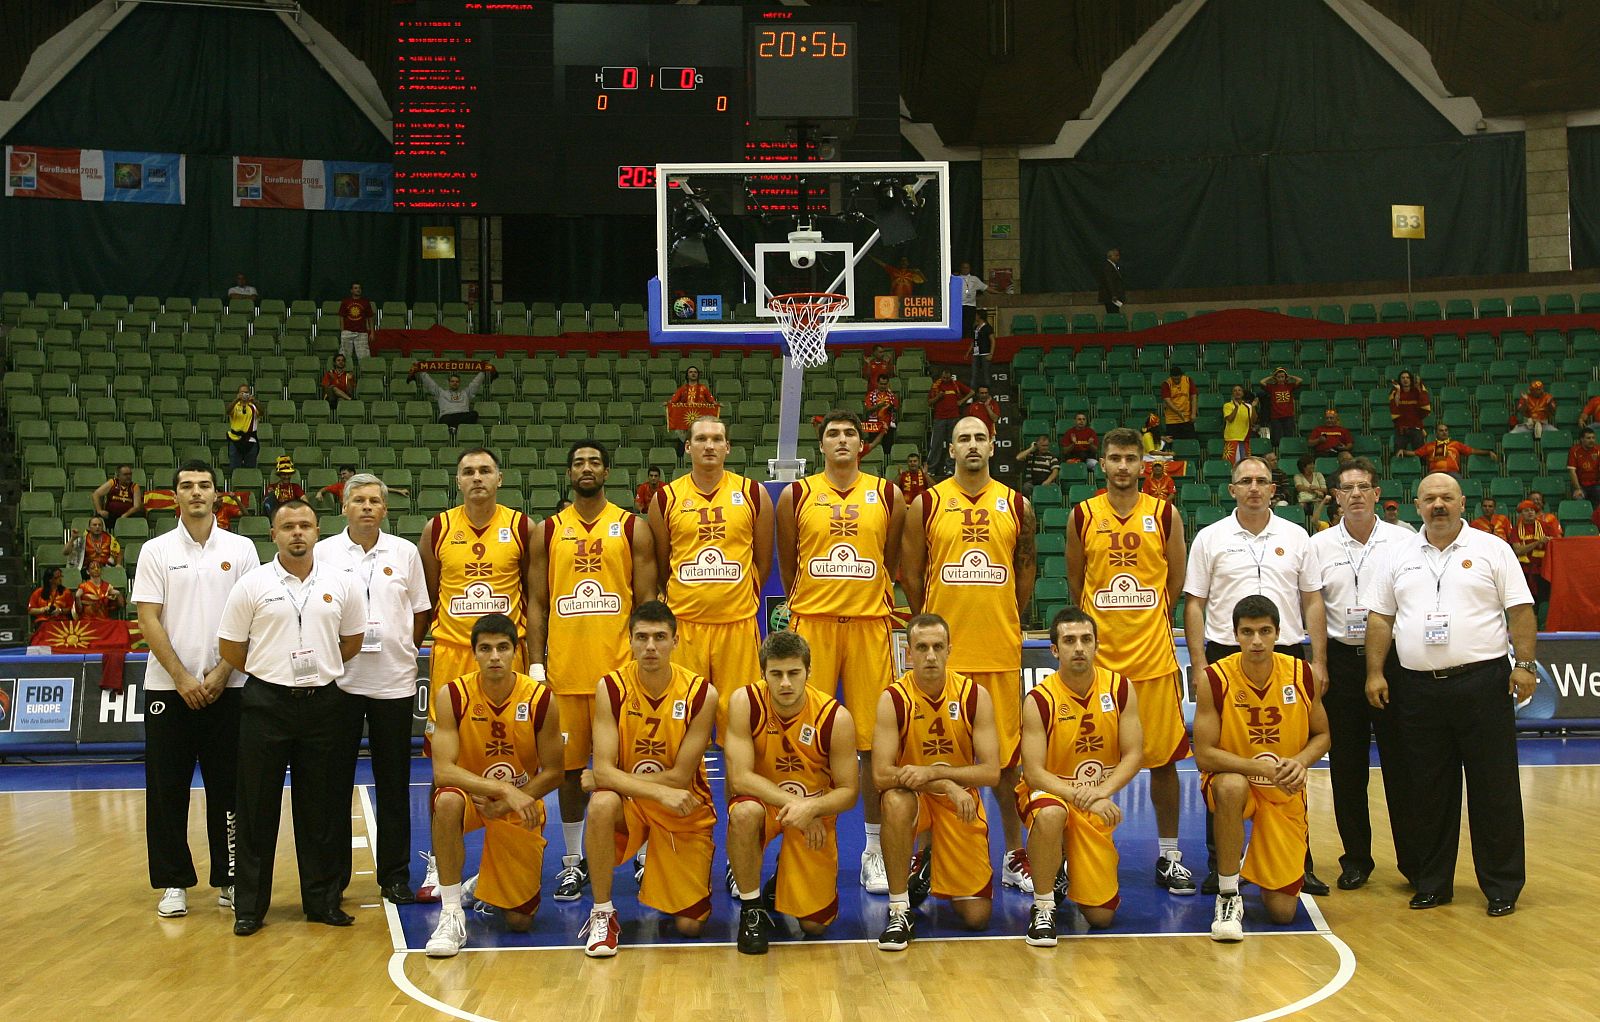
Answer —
(270, 182)
(94, 175)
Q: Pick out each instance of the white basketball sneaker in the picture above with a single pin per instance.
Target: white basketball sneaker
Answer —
(1227, 921)
(429, 891)
(450, 936)
(225, 897)
(874, 880)
(174, 903)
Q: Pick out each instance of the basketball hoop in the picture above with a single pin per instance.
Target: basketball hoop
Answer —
(805, 318)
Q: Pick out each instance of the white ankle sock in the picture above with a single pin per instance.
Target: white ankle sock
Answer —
(1169, 849)
(1046, 900)
(1228, 884)
(450, 896)
(572, 834)
(900, 902)
(873, 842)
(604, 906)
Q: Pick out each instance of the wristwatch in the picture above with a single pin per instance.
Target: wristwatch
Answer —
(1531, 666)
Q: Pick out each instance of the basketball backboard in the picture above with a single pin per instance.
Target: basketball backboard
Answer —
(733, 236)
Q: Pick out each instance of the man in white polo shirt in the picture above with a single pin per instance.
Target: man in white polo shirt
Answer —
(291, 627)
(1350, 560)
(1253, 552)
(1445, 602)
(382, 682)
(191, 695)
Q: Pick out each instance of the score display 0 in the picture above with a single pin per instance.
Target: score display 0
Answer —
(667, 79)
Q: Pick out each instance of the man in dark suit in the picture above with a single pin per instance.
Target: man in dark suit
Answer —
(1109, 276)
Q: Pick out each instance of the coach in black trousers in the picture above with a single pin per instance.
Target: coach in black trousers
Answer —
(1351, 558)
(291, 626)
(1445, 603)
(191, 696)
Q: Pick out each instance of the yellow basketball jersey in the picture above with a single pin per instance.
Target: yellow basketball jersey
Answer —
(1082, 742)
(712, 577)
(499, 741)
(651, 730)
(970, 580)
(480, 571)
(840, 537)
(1267, 723)
(793, 753)
(1125, 584)
(935, 731)
(589, 566)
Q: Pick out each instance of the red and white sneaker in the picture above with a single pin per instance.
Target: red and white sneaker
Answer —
(600, 934)
(429, 891)
(1016, 872)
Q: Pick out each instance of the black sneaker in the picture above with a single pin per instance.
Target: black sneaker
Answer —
(1174, 876)
(733, 886)
(1041, 926)
(753, 926)
(897, 935)
(572, 879)
(1211, 885)
(920, 883)
(769, 894)
(638, 868)
(1061, 885)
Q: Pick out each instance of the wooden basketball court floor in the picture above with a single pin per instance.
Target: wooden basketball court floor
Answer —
(83, 939)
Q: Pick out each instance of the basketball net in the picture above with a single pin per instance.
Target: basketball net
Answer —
(805, 319)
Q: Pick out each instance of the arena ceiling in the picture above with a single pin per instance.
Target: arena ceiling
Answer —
(1515, 57)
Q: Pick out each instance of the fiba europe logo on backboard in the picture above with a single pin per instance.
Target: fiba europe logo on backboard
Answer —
(683, 307)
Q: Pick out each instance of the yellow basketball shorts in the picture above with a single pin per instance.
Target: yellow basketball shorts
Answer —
(513, 856)
(1166, 740)
(1275, 857)
(1005, 691)
(725, 654)
(448, 661)
(808, 880)
(961, 867)
(1090, 853)
(577, 729)
(677, 870)
(854, 654)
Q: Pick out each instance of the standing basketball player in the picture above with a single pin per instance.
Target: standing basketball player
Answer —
(838, 546)
(477, 561)
(791, 761)
(496, 749)
(652, 723)
(1125, 564)
(713, 539)
(593, 563)
(969, 556)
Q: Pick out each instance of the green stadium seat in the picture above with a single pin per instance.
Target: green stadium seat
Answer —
(1085, 323)
(1491, 308)
(1023, 323)
(1331, 313)
(1456, 308)
(1392, 312)
(1521, 305)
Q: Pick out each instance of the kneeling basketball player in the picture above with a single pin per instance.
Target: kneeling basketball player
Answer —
(1258, 726)
(652, 722)
(791, 772)
(1081, 744)
(934, 746)
(496, 747)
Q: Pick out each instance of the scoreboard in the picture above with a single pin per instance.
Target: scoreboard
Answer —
(567, 108)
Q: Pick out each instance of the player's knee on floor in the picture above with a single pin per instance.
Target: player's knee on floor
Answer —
(974, 913)
(811, 929)
(1098, 918)
(517, 922)
(1229, 790)
(899, 806)
(1280, 907)
(688, 927)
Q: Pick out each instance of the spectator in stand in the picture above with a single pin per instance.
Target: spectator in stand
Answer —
(1492, 523)
(1281, 482)
(1409, 408)
(1443, 454)
(1108, 277)
(903, 279)
(1311, 490)
(1158, 484)
(1238, 415)
(282, 489)
(1153, 438)
(646, 491)
(1391, 514)
(118, 497)
(454, 401)
(1331, 437)
(878, 365)
(971, 284)
(94, 547)
(241, 288)
(1591, 412)
(982, 349)
(883, 417)
(1041, 467)
(97, 598)
(984, 407)
(1179, 404)
(243, 416)
(1583, 467)
(1536, 411)
(945, 399)
(1080, 443)
(688, 403)
(335, 491)
(1550, 522)
(1531, 535)
(52, 601)
(356, 319)
(1280, 389)
(913, 480)
(338, 383)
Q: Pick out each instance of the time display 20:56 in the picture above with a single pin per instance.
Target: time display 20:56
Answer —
(789, 44)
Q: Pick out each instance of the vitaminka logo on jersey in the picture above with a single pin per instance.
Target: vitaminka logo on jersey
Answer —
(842, 563)
(1124, 592)
(710, 565)
(478, 599)
(974, 569)
(588, 597)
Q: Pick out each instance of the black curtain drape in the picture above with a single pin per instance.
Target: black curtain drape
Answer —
(1583, 170)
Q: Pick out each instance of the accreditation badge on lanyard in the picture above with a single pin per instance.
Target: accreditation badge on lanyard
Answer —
(1436, 629)
(372, 638)
(1355, 623)
(303, 662)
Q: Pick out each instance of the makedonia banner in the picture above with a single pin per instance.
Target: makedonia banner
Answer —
(94, 175)
(276, 183)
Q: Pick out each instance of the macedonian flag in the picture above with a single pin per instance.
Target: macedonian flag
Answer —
(93, 636)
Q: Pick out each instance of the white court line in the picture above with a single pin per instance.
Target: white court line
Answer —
(397, 936)
(1347, 968)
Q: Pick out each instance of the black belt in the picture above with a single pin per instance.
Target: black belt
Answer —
(1360, 651)
(1460, 669)
(292, 691)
